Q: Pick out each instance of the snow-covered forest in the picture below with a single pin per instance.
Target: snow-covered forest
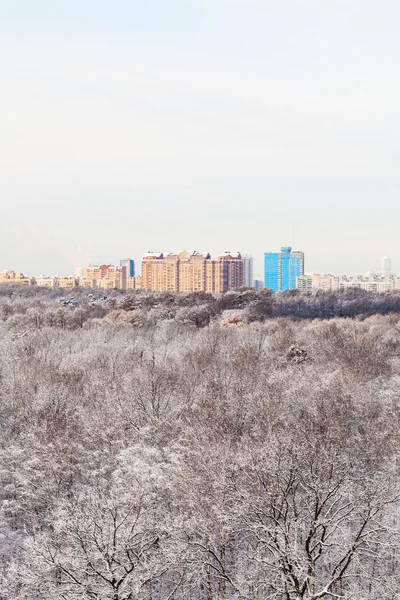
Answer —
(161, 447)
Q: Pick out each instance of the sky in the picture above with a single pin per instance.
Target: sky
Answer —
(131, 126)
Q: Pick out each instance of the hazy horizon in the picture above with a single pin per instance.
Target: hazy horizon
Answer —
(208, 124)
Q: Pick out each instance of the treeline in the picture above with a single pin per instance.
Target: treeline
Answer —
(38, 307)
(150, 452)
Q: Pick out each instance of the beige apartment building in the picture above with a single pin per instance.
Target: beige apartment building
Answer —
(67, 282)
(106, 276)
(53, 282)
(11, 277)
(134, 283)
(192, 271)
(50, 282)
(87, 283)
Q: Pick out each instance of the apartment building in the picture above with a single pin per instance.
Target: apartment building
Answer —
(129, 263)
(106, 276)
(44, 281)
(191, 271)
(154, 271)
(281, 269)
(315, 281)
(61, 282)
(134, 283)
(312, 281)
(67, 282)
(370, 284)
(248, 269)
(12, 277)
(231, 271)
(87, 283)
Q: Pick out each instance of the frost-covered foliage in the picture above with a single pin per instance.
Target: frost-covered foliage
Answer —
(160, 447)
(31, 307)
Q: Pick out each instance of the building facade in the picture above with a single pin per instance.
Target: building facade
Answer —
(67, 282)
(281, 269)
(191, 271)
(12, 277)
(44, 281)
(248, 270)
(129, 264)
(314, 281)
(134, 283)
(370, 284)
(328, 283)
(106, 276)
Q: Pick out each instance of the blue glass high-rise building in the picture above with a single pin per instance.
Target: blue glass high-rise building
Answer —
(129, 263)
(282, 268)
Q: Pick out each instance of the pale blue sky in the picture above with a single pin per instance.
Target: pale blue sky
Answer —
(129, 126)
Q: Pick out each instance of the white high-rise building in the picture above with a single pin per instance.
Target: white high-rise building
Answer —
(248, 277)
(386, 270)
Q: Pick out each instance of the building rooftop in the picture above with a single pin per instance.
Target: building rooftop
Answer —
(153, 255)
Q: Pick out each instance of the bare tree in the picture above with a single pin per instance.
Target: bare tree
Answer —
(99, 548)
(311, 519)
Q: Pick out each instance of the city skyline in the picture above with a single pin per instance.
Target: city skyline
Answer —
(125, 123)
(192, 271)
(383, 266)
(283, 270)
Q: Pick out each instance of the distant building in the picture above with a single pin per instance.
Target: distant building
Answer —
(107, 276)
(11, 277)
(228, 272)
(258, 282)
(386, 270)
(87, 283)
(129, 263)
(314, 281)
(44, 281)
(281, 269)
(370, 284)
(248, 262)
(67, 282)
(109, 283)
(134, 283)
(192, 271)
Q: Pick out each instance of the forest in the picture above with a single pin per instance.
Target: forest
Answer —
(157, 446)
